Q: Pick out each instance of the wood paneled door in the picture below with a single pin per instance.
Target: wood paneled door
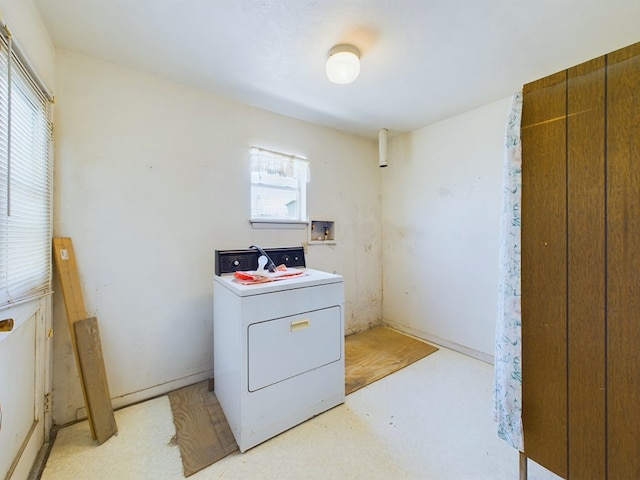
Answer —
(581, 268)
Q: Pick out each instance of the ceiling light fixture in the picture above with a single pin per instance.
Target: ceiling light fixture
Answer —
(343, 65)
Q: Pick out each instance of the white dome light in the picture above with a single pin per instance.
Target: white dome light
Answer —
(343, 65)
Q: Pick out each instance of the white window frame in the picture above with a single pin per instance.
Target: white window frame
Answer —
(26, 166)
(294, 170)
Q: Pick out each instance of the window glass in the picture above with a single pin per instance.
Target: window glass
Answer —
(278, 186)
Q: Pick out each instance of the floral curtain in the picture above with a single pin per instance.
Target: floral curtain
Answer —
(507, 407)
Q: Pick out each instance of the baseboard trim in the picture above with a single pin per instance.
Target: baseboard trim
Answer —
(151, 392)
(443, 342)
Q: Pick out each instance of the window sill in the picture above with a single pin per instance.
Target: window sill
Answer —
(278, 224)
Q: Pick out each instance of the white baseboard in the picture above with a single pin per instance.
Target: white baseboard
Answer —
(151, 392)
(485, 357)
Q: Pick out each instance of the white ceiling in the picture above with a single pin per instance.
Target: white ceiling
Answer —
(422, 60)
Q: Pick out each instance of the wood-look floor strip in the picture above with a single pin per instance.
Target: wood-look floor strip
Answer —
(377, 352)
(201, 437)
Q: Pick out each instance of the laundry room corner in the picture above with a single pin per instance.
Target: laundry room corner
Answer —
(148, 196)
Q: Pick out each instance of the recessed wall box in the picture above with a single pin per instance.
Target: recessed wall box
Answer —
(322, 231)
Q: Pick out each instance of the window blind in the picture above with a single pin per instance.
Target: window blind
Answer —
(25, 181)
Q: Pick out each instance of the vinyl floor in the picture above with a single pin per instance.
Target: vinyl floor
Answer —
(429, 420)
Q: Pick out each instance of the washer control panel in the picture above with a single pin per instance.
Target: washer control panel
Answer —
(229, 261)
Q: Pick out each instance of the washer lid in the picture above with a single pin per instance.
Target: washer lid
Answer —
(309, 278)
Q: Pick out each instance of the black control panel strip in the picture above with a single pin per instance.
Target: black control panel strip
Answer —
(229, 261)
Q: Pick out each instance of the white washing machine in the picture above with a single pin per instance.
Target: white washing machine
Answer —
(278, 346)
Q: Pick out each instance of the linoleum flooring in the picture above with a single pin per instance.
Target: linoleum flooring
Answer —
(431, 420)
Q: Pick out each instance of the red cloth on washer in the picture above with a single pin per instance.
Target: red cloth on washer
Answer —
(254, 276)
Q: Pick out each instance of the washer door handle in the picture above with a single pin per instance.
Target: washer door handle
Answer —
(300, 324)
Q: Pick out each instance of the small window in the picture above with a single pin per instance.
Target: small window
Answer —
(278, 187)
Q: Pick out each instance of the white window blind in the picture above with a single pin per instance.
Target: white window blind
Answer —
(25, 181)
(278, 186)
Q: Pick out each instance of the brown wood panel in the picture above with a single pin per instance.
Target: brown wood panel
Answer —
(539, 106)
(544, 283)
(378, 352)
(94, 377)
(203, 434)
(623, 268)
(586, 267)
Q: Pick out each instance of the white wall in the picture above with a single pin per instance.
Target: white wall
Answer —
(441, 209)
(151, 177)
(28, 31)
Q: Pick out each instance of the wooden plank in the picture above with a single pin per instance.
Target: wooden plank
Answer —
(544, 275)
(94, 377)
(378, 352)
(65, 261)
(204, 436)
(623, 268)
(219, 421)
(586, 267)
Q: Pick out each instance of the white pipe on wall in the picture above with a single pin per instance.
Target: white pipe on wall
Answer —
(382, 147)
